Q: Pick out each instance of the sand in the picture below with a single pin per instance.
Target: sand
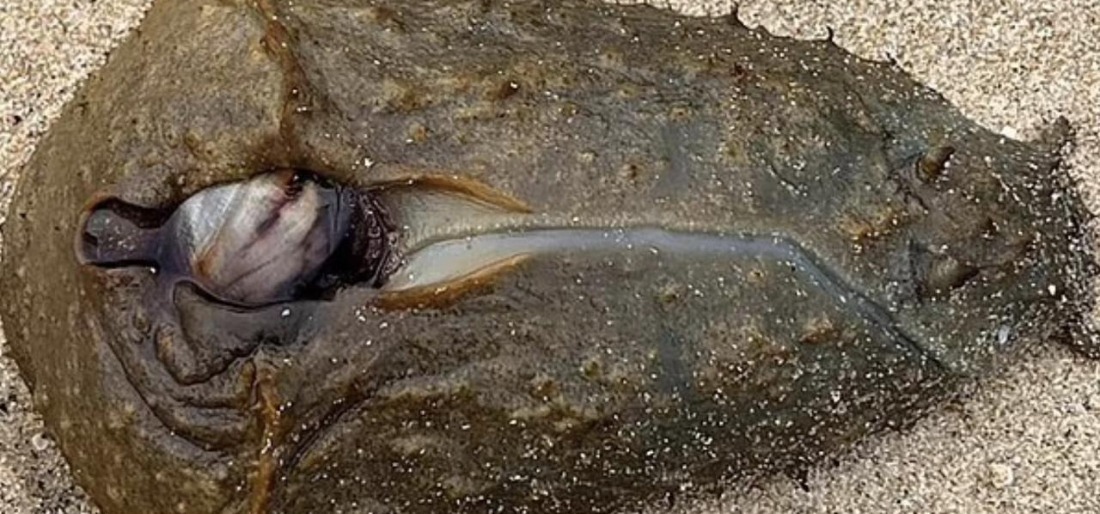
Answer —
(1027, 440)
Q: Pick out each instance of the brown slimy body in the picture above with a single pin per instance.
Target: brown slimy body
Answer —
(586, 379)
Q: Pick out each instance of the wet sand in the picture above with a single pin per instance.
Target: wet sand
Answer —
(1027, 440)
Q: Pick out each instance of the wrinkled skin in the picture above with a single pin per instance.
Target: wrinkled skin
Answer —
(890, 250)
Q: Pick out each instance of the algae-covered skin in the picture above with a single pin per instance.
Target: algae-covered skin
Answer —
(751, 252)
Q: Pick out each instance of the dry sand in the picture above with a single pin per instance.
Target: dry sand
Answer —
(1026, 441)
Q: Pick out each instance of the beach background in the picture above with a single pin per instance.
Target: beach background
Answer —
(1027, 440)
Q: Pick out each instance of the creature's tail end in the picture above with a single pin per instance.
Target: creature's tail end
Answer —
(1082, 332)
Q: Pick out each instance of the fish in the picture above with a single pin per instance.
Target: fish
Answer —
(469, 256)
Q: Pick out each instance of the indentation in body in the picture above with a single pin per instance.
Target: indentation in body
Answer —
(445, 262)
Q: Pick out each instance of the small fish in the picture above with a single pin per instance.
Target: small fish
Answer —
(250, 243)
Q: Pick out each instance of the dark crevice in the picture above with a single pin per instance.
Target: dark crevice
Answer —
(269, 417)
(299, 96)
(311, 435)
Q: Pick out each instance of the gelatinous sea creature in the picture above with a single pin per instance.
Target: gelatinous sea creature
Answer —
(469, 256)
(254, 243)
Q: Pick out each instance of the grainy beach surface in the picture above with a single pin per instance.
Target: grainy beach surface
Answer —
(1027, 440)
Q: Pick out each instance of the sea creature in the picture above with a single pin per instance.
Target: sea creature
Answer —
(248, 244)
(470, 256)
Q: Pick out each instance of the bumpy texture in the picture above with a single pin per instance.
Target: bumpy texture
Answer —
(668, 368)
